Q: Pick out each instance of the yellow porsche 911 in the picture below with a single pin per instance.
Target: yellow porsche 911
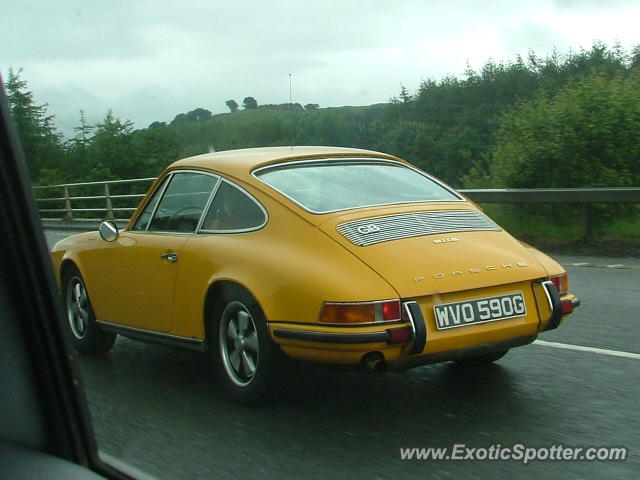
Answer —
(320, 254)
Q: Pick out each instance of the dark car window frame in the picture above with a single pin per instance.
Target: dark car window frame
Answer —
(55, 437)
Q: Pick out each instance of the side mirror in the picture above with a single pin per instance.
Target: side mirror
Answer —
(108, 231)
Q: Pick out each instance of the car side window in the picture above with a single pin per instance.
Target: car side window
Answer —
(143, 220)
(183, 202)
(233, 210)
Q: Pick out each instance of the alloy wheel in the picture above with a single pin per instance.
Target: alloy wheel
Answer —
(239, 343)
(77, 307)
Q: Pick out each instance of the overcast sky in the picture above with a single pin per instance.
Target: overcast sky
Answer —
(151, 59)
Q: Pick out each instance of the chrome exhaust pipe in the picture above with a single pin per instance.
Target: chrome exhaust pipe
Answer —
(374, 362)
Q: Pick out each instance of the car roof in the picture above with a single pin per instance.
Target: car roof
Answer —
(240, 163)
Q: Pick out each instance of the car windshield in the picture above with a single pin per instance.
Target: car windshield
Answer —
(328, 186)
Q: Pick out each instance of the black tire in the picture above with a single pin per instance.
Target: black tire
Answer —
(246, 359)
(482, 359)
(80, 320)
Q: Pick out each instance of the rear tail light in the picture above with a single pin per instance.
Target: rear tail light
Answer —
(391, 311)
(567, 306)
(400, 335)
(359, 313)
(561, 282)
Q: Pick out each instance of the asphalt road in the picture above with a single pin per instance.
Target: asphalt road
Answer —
(161, 409)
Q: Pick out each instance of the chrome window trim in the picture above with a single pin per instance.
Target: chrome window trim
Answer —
(170, 175)
(158, 232)
(160, 189)
(208, 204)
(265, 214)
(355, 160)
(169, 178)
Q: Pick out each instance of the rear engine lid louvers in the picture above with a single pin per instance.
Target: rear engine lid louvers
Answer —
(369, 231)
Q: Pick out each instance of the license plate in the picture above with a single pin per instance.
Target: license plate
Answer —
(481, 310)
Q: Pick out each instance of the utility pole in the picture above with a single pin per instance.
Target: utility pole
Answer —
(291, 111)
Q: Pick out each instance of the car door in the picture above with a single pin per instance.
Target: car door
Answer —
(142, 264)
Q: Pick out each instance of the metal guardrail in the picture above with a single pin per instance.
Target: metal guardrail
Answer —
(73, 218)
(585, 197)
(68, 217)
(554, 195)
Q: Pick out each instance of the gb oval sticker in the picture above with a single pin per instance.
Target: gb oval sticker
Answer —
(366, 229)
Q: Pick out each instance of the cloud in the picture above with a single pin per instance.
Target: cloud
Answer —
(591, 5)
(547, 39)
(151, 59)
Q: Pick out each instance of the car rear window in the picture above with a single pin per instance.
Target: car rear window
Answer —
(327, 186)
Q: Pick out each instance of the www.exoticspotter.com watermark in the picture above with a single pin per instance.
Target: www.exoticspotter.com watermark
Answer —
(518, 452)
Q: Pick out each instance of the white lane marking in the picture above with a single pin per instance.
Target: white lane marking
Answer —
(602, 265)
(580, 348)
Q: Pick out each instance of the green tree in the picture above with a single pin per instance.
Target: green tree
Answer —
(77, 147)
(587, 135)
(52, 176)
(155, 148)
(41, 142)
(83, 132)
(404, 95)
(111, 148)
(249, 103)
(194, 116)
(232, 104)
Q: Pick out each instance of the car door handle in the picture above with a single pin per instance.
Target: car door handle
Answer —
(171, 256)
